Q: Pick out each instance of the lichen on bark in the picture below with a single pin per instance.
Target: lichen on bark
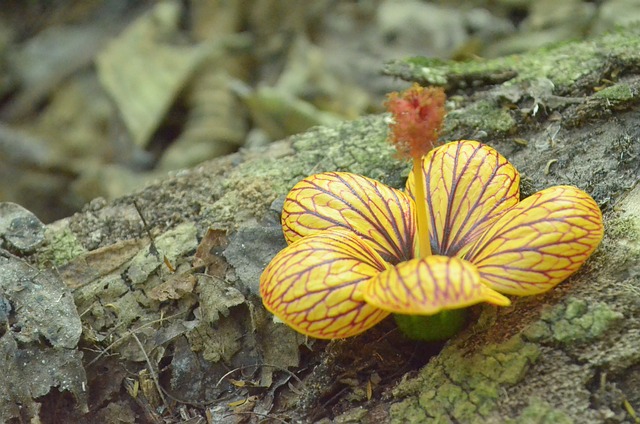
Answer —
(567, 353)
(459, 386)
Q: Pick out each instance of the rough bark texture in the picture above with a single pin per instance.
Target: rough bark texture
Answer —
(562, 115)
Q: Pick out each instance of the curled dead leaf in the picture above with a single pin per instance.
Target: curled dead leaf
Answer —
(174, 288)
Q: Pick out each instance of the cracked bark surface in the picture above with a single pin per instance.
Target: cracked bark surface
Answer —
(562, 115)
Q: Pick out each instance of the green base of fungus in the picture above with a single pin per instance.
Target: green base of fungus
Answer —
(432, 328)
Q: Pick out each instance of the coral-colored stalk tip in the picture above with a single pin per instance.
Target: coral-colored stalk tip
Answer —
(418, 114)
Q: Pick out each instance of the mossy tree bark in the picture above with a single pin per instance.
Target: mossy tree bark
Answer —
(563, 115)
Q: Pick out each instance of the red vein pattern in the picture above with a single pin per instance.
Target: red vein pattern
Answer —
(539, 242)
(430, 285)
(315, 285)
(469, 185)
(382, 216)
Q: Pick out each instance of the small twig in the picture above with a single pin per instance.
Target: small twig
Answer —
(88, 309)
(196, 403)
(130, 332)
(334, 397)
(152, 245)
(153, 249)
(385, 335)
(154, 375)
(257, 366)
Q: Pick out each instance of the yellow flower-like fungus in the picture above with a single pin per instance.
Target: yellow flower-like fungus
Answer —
(353, 255)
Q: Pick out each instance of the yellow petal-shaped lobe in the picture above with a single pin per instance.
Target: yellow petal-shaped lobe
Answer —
(539, 242)
(468, 186)
(430, 285)
(382, 216)
(315, 285)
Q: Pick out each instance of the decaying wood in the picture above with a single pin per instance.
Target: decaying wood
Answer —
(572, 355)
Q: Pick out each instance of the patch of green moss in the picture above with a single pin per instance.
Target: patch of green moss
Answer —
(430, 71)
(352, 416)
(61, 246)
(411, 412)
(358, 146)
(239, 203)
(616, 93)
(576, 321)
(457, 387)
(483, 115)
(567, 64)
(539, 412)
(624, 228)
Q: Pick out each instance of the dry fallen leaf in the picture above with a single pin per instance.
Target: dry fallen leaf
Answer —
(174, 288)
(210, 248)
(144, 69)
(100, 262)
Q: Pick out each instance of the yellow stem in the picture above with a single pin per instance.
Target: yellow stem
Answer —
(423, 225)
